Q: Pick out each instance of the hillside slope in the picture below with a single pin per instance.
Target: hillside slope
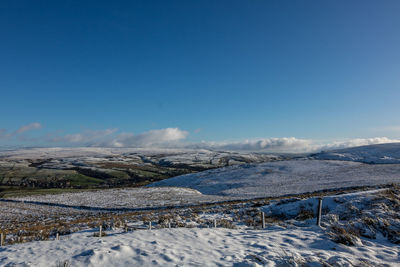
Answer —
(285, 177)
(95, 167)
(382, 153)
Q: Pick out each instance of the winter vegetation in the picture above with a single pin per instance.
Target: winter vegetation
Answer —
(216, 211)
(358, 229)
(44, 170)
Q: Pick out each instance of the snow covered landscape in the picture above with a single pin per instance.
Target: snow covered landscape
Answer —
(285, 177)
(216, 212)
(381, 153)
(273, 246)
(372, 241)
(200, 133)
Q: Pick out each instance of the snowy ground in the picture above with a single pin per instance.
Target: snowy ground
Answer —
(59, 157)
(236, 182)
(367, 222)
(274, 246)
(293, 241)
(285, 177)
(129, 198)
(382, 153)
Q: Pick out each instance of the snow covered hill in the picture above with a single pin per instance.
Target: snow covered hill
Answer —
(382, 153)
(285, 177)
(95, 167)
(58, 157)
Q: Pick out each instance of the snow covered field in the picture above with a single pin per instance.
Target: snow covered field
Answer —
(285, 177)
(290, 242)
(129, 198)
(274, 246)
(293, 241)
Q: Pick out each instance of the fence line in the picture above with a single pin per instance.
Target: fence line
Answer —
(168, 223)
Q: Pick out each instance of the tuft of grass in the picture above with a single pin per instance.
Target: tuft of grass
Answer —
(64, 263)
(348, 236)
(305, 214)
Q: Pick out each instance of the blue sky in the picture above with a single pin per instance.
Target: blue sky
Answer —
(221, 71)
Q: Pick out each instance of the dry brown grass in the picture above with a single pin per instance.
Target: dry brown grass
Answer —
(349, 235)
(305, 214)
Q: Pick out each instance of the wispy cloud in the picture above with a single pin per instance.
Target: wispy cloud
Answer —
(393, 129)
(5, 134)
(87, 137)
(28, 127)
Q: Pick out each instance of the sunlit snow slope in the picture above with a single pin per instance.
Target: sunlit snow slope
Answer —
(286, 177)
(382, 153)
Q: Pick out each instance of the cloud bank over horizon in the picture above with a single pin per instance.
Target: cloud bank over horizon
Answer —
(176, 138)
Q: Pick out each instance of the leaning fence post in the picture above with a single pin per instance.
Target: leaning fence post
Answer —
(149, 225)
(215, 223)
(100, 230)
(262, 220)
(319, 211)
(2, 238)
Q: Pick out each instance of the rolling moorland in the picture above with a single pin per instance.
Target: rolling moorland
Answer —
(223, 190)
(52, 170)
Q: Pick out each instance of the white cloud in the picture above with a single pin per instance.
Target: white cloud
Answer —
(175, 138)
(109, 138)
(357, 142)
(87, 137)
(28, 127)
(161, 137)
(285, 144)
(290, 144)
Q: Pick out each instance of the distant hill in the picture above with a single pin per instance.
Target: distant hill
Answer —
(95, 167)
(379, 154)
(285, 177)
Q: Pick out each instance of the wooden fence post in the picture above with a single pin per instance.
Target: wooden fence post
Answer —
(215, 223)
(149, 225)
(57, 236)
(319, 211)
(100, 230)
(262, 220)
(2, 239)
(169, 224)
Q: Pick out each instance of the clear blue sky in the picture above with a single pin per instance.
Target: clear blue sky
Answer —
(221, 70)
